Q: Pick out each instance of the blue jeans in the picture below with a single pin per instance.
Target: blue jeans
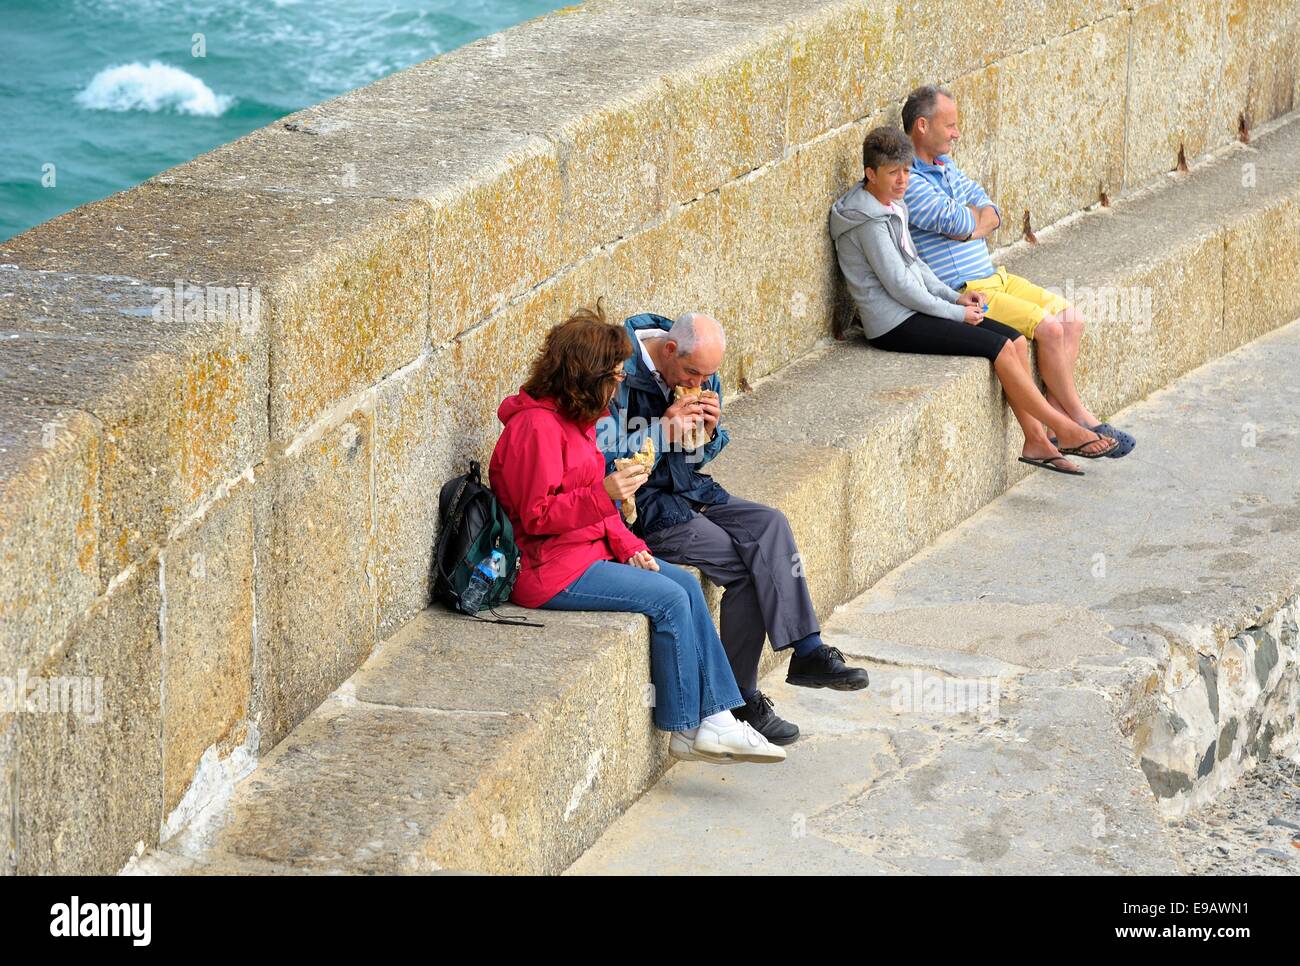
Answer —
(688, 666)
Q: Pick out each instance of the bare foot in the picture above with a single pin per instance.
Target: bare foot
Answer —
(1085, 440)
(1046, 451)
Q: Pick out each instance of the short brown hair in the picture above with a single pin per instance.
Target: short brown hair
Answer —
(576, 364)
(922, 103)
(886, 145)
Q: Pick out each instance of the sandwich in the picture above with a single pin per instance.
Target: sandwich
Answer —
(644, 458)
(696, 437)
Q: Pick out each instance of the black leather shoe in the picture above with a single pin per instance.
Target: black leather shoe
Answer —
(825, 668)
(758, 714)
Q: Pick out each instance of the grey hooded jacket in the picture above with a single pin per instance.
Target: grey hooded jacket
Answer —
(887, 283)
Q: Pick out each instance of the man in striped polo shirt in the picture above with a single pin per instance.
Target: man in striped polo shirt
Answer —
(950, 216)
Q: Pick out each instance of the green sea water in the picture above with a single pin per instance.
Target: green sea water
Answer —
(98, 95)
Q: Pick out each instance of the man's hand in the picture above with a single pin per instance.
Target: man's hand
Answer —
(644, 560)
(621, 484)
(972, 298)
(986, 221)
(685, 413)
(711, 408)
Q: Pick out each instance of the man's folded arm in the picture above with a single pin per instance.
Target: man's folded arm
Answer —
(930, 209)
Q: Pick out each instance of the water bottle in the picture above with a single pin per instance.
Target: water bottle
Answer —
(481, 581)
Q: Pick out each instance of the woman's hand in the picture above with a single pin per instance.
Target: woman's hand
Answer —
(643, 559)
(974, 316)
(621, 484)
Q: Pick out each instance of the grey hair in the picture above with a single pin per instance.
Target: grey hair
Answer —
(922, 102)
(684, 334)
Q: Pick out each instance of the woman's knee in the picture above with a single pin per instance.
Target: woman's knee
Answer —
(670, 598)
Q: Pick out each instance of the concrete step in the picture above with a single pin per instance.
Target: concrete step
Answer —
(1042, 669)
(872, 457)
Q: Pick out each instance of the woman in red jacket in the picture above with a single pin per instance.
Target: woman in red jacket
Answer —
(577, 554)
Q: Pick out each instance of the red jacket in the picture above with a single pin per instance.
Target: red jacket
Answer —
(548, 475)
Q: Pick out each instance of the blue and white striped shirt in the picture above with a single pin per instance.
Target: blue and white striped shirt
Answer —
(936, 199)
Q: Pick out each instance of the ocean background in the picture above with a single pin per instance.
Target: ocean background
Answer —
(98, 95)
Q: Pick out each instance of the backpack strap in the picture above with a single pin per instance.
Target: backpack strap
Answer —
(452, 523)
(512, 621)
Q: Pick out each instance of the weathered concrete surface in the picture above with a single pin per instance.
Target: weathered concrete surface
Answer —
(1080, 604)
(176, 394)
(388, 775)
(1041, 787)
(207, 640)
(109, 744)
(1196, 579)
(342, 286)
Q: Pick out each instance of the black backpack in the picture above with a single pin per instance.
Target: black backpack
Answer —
(471, 524)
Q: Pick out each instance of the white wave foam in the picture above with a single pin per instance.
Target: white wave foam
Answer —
(157, 87)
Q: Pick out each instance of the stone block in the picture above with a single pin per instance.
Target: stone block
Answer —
(1259, 259)
(935, 53)
(207, 640)
(90, 773)
(713, 138)
(316, 541)
(49, 528)
(1178, 100)
(845, 63)
(778, 278)
(669, 269)
(1265, 42)
(341, 284)
(177, 385)
(1062, 124)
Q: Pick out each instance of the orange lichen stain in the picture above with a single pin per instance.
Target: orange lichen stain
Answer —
(84, 532)
(209, 406)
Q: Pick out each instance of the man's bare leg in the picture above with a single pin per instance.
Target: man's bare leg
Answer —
(1031, 410)
(1058, 337)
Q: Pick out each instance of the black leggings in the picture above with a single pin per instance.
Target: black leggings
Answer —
(933, 336)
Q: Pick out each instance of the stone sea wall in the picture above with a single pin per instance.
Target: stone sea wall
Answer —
(215, 499)
(1198, 721)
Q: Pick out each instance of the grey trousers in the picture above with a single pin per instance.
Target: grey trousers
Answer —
(748, 549)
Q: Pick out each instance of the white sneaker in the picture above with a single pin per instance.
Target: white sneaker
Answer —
(738, 742)
(682, 748)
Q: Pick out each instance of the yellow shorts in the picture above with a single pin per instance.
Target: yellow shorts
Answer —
(1015, 301)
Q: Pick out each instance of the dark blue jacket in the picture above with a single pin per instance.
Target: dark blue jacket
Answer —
(637, 409)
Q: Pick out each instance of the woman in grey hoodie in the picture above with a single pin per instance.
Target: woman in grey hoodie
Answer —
(905, 308)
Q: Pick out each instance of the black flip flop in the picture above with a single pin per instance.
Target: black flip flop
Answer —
(1047, 462)
(1078, 450)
